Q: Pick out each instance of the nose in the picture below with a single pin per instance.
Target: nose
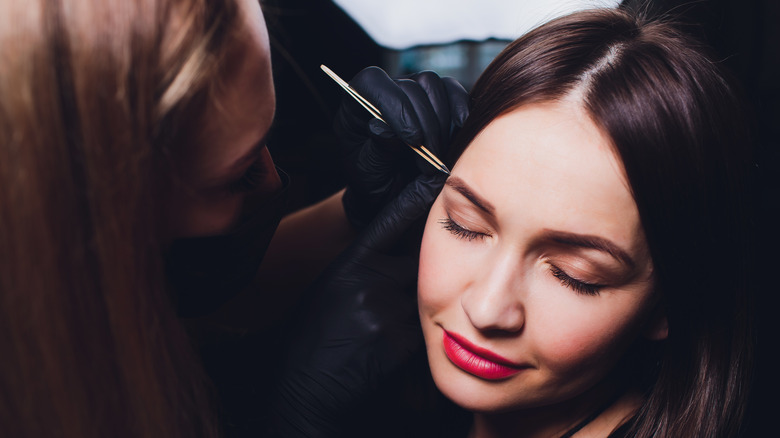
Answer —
(494, 301)
(268, 182)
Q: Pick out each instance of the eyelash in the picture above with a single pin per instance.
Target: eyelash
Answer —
(250, 180)
(578, 286)
(460, 232)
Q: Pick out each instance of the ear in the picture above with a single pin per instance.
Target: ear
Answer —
(657, 327)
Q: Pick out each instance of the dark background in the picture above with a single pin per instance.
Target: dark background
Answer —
(746, 36)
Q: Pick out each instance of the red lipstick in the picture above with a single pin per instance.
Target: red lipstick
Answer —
(476, 360)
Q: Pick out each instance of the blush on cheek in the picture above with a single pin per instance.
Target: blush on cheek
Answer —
(432, 283)
(424, 268)
(427, 275)
(575, 348)
(568, 351)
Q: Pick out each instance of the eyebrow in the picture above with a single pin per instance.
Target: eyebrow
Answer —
(590, 242)
(587, 241)
(461, 187)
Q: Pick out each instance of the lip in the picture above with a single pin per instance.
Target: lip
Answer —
(478, 361)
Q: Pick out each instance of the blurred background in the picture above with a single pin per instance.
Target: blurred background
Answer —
(459, 38)
(455, 38)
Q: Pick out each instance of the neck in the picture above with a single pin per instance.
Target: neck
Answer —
(556, 420)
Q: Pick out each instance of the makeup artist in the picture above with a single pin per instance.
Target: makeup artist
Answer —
(133, 169)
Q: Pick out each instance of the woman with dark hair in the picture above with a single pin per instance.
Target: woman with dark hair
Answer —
(585, 270)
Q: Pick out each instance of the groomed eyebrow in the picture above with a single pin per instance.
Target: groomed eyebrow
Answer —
(590, 242)
(461, 187)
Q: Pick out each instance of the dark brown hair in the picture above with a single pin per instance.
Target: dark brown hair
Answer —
(91, 94)
(676, 124)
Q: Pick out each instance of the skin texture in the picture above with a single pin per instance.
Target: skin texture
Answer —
(505, 277)
(228, 138)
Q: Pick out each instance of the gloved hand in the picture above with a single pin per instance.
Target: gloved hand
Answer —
(423, 109)
(361, 324)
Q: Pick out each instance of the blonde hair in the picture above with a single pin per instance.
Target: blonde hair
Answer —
(92, 95)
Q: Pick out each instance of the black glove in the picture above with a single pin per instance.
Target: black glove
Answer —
(423, 109)
(360, 324)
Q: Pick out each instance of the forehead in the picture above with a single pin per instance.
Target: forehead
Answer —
(241, 108)
(549, 164)
(244, 91)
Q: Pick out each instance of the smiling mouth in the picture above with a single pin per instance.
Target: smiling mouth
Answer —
(477, 361)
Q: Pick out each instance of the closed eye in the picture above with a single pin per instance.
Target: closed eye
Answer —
(578, 286)
(251, 179)
(460, 231)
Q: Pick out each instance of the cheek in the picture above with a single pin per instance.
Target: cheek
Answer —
(433, 277)
(572, 345)
(192, 215)
(582, 334)
(445, 268)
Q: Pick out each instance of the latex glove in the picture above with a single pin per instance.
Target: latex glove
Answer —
(361, 324)
(423, 109)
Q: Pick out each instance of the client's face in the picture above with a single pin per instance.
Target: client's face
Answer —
(534, 271)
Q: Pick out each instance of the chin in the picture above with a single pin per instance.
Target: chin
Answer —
(469, 392)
